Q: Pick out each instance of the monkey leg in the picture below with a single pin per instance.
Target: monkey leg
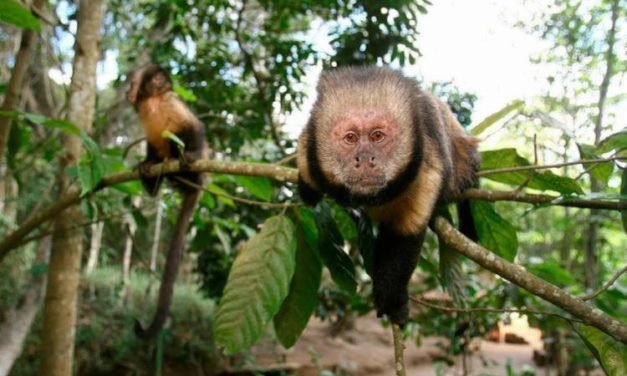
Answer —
(151, 184)
(395, 258)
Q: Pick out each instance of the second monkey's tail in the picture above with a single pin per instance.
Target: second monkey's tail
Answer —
(175, 252)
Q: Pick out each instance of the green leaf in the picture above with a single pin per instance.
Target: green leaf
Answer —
(218, 191)
(611, 354)
(554, 273)
(495, 233)
(617, 141)
(542, 180)
(258, 283)
(171, 136)
(113, 163)
(345, 223)
(259, 187)
(365, 242)
(185, 94)
(600, 171)
(331, 249)
(490, 120)
(301, 301)
(623, 191)
(13, 13)
(62, 125)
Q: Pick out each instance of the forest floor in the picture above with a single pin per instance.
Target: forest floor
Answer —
(367, 349)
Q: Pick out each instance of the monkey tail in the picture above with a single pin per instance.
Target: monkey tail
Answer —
(466, 222)
(173, 259)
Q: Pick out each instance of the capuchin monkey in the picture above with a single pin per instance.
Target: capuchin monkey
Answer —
(160, 109)
(374, 140)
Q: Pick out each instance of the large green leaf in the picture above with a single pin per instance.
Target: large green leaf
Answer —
(14, 13)
(365, 242)
(495, 233)
(542, 180)
(600, 171)
(611, 354)
(331, 249)
(259, 187)
(493, 118)
(552, 272)
(617, 141)
(258, 283)
(301, 301)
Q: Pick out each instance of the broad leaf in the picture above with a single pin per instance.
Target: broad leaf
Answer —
(542, 180)
(174, 138)
(259, 187)
(331, 249)
(301, 301)
(611, 354)
(600, 171)
(365, 242)
(14, 13)
(185, 94)
(490, 120)
(495, 233)
(258, 283)
(617, 141)
(554, 273)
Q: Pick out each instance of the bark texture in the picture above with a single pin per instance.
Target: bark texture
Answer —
(60, 308)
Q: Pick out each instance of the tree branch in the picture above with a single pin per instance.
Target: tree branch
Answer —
(588, 314)
(490, 310)
(549, 166)
(531, 198)
(609, 284)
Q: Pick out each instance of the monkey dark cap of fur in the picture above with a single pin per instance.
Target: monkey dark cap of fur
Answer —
(376, 141)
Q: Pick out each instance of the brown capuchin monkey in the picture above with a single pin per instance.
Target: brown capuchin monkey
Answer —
(160, 109)
(374, 140)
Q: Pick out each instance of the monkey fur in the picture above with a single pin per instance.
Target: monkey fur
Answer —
(160, 109)
(375, 141)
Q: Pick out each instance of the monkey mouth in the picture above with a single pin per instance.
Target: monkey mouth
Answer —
(370, 182)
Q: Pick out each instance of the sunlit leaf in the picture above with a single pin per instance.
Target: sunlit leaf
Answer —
(617, 141)
(554, 273)
(259, 187)
(495, 233)
(185, 94)
(171, 136)
(542, 180)
(258, 283)
(14, 13)
(492, 119)
(600, 171)
(611, 354)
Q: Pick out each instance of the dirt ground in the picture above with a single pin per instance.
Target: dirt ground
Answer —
(367, 349)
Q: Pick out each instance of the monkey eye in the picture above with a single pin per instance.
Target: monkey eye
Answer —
(377, 136)
(351, 138)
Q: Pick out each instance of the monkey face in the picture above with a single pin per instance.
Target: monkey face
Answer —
(364, 150)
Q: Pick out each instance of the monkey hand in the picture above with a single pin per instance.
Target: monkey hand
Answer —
(398, 315)
(144, 169)
(151, 184)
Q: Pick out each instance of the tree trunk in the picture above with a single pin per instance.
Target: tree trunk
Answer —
(60, 308)
(591, 257)
(94, 246)
(156, 240)
(19, 320)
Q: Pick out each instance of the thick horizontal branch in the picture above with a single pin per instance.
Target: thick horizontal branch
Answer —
(538, 199)
(73, 197)
(272, 171)
(516, 274)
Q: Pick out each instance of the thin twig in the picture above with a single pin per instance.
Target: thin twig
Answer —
(490, 310)
(129, 146)
(399, 350)
(607, 285)
(286, 160)
(549, 166)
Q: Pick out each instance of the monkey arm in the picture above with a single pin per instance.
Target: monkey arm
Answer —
(151, 184)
